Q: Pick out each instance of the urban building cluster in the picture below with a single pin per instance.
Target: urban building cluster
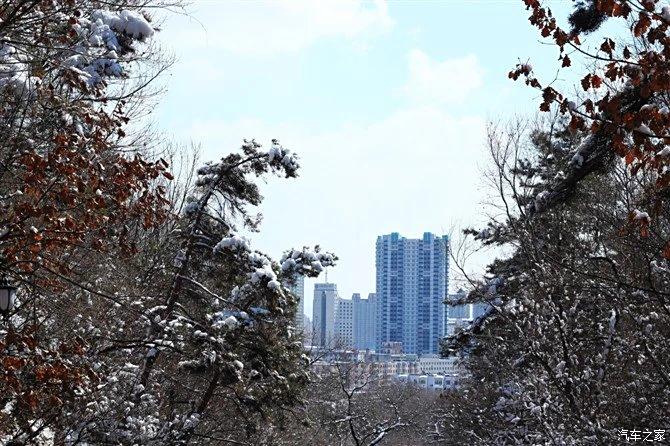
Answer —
(397, 329)
(428, 371)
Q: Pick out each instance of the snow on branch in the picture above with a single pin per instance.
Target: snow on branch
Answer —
(307, 262)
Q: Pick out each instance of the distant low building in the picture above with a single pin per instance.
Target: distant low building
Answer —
(387, 366)
(429, 381)
(391, 348)
(433, 364)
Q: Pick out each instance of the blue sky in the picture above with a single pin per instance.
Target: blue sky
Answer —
(385, 103)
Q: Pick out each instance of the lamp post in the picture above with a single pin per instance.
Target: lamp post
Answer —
(7, 296)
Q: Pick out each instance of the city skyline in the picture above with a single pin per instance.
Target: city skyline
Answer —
(412, 276)
(339, 322)
(309, 283)
(408, 305)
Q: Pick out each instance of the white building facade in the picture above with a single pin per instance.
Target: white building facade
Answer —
(434, 364)
(344, 323)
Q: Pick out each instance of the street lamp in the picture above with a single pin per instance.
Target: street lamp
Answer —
(7, 295)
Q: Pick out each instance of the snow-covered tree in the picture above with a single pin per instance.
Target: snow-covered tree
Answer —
(72, 187)
(203, 347)
(624, 102)
(575, 346)
(350, 403)
(140, 319)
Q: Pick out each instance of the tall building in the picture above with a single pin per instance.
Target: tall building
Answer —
(412, 284)
(463, 311)
(364, 321)
(459, 316)
(479, 309)
(323, 314)
(344, 323)
(298, 291)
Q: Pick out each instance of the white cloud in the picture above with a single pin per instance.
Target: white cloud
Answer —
(434, 82)
(281, 26)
